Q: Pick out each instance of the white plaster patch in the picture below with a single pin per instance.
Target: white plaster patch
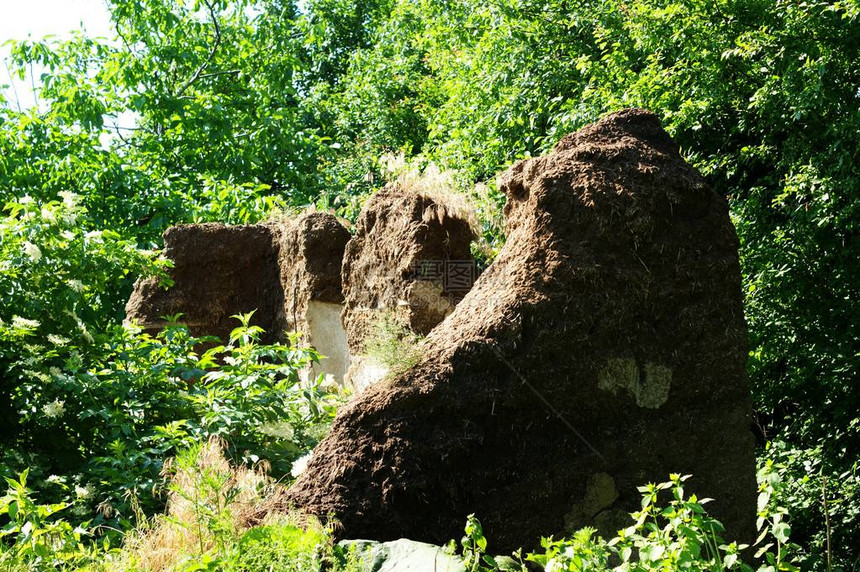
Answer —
(363, 372)
(328, 336)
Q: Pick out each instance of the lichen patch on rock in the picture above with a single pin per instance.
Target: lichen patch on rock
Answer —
(648, 386)
(600, 494)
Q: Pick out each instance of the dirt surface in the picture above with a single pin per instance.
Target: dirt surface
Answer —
(310, 256)
(218, 271)
(408, 256)
(604, 348)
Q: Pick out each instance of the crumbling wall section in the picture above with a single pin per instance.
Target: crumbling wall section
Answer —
(410, 258)
(310, 255)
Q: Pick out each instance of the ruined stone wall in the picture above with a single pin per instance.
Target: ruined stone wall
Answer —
(310, 256)
(218, 271)
(307, 274)
(603, 349)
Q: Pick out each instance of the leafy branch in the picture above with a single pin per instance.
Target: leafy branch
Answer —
(212, 51)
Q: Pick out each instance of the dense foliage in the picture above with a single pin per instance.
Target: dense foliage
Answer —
(95, 408)
(228, 110)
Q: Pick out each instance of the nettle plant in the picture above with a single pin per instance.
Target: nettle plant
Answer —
(672, 535)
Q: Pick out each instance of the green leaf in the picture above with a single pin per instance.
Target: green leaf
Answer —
(781, 531)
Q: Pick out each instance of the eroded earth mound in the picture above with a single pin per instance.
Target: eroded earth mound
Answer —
(310, 255)
(404, 243)
(218, 271)
(410, 262)
(603, 349)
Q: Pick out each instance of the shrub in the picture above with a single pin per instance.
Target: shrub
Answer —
(212, 511)
(62, 286)
(391, 344)
(121, 410)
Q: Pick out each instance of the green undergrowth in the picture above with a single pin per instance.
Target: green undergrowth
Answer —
(226, 517)
(672, 531)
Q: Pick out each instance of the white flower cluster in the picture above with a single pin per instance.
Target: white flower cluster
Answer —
(81, 326)
(70, 199)
(57, 340)
(94, 236)
(301, 464)
(20, 323)
(32, 251)
(54, 409)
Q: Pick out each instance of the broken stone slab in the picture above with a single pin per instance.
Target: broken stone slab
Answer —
(410, 260)
(605, 348)
(218, 271)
